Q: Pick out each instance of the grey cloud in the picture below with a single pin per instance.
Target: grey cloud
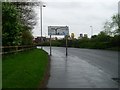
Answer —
(77, 15)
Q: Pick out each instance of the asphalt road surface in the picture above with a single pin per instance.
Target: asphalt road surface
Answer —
(83, 68)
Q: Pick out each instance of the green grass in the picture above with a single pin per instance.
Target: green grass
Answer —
(24, 69)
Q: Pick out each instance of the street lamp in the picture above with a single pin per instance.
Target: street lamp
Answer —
(91, 31)
(41, 19)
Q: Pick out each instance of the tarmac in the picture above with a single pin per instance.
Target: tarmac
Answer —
(74, 72)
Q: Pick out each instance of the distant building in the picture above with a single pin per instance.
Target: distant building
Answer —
(85, 35)
(81, 35)
(72, 35)
(41, 39)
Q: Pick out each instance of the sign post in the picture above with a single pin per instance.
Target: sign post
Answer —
(66, 45)
(50, 46)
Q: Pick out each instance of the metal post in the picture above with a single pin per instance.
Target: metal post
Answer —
(41, 22)
(50, 46)
(66, 46)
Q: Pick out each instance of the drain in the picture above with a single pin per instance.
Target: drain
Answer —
(116, 79)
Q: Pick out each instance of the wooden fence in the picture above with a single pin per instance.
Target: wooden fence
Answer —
(14, 49)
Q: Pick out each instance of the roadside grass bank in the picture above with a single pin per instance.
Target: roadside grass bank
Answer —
(26, 69)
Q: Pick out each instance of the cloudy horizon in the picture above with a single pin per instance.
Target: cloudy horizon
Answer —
(79, 15)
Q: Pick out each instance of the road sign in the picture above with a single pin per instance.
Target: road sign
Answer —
(58, 30)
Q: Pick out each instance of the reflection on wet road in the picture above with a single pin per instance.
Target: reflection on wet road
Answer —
(82, 68)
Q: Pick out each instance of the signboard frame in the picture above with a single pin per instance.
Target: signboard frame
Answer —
(58, 30)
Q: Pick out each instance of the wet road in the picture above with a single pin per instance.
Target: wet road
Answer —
(82, 68)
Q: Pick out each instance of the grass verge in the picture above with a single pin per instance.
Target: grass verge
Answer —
(24, 69)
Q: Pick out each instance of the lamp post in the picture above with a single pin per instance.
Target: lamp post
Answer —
(41, 20)
(91, 31)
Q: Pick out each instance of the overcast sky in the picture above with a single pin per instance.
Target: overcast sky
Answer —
(79, 15)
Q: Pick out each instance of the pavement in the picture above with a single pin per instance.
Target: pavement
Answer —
(82, 68)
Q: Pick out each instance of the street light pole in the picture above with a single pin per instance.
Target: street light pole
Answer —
(41, 20)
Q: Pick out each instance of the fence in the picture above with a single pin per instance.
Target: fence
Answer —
(14, 49)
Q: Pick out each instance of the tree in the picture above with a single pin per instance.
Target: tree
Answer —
(107, 28)
(94, 36)
(103, 37)
(113, 27)
(28, 20)
(27, 38)
(27, 13)
(18, 22)
(116, 24)
(11, 27)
